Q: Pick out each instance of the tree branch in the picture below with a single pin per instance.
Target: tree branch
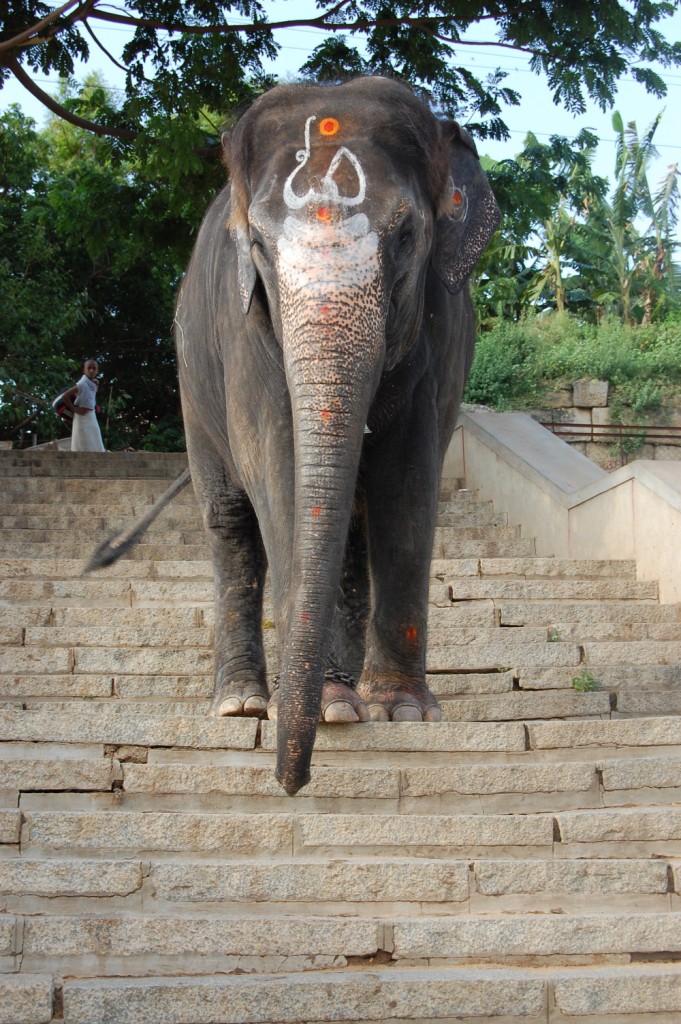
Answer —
(23, 37)
(56, 108)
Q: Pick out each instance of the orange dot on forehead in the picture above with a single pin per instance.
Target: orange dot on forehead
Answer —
(323, 213)
(328, 126)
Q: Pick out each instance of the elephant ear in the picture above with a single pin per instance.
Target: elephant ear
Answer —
(469, 213)
(238, 217)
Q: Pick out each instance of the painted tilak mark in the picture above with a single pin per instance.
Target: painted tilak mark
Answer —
(459, 198)
(328, 190)
(326, 242)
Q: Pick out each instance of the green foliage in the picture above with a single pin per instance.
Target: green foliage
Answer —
(516, 362)
(504, 371)
(585, 682)
(187, 56)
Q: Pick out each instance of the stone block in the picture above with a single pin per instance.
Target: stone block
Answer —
(26, 999)
(125, 724)
(57, 775)
(489, 779)
(537, 877)
(372, 995)
(590, 394)
(189, 937)
(342, 881)
(353, 783)
(641, 773)
(406, 830)
(613, 991)
(601, 417)
(70, 878)
(630, 825)
(55, 685)
(536, 935)
(560, 399)
(244, 834)
(129, 661)
(526, 706)
(10, 826)
(644, 732)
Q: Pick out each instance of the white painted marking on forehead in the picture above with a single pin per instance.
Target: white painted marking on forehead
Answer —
(328, 190)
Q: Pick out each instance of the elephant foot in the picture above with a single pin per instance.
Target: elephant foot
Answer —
(340, 702)
(402, 700)
(242, 700)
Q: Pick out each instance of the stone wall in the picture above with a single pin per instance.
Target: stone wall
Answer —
(584, 406)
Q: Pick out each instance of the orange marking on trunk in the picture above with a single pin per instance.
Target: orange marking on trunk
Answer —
(316, 511)
(325, 415)
(411, 633)
(325, 310)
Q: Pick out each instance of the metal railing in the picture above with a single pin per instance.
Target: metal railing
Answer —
(615, 433)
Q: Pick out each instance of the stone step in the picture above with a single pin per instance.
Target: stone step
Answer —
(380, 994)
(374, 995)
(343, 886)
(185, 547)
(164, 944)
(128, 723)
(199, 686)
(530, 613)
(619, 679)
(231, 829)
(535, 568)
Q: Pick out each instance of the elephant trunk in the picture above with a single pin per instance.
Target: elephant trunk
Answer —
(333, 361)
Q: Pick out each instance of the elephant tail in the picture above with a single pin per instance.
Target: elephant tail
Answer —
(111, 549)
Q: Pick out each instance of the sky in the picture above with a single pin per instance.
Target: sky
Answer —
(536, 111)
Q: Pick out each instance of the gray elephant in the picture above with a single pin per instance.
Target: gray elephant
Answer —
(324, 335)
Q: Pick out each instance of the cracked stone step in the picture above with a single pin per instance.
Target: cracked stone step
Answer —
(373, 995)
(379, 994)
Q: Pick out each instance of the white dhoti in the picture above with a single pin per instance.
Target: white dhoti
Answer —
(85, 434)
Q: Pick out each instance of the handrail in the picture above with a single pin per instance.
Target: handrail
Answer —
(613, 431)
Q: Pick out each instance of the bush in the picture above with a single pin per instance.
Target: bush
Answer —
(516, 362)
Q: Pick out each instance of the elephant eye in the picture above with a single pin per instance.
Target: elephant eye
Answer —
(405, 239)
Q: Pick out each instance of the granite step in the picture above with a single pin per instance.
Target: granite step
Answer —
(376, 995)
(162, 944)
(343, 886)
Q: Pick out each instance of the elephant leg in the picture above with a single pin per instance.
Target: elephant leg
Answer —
(402, 480)
(353, 597)
(239, 566)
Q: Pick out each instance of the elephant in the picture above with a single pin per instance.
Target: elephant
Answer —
(324, 333)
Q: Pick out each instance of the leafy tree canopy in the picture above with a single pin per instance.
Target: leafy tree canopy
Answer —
(186, 57)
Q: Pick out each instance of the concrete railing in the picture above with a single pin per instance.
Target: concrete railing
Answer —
(570, 505)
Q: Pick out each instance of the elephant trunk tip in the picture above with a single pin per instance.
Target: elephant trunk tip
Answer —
(294, 755)
(292, 783)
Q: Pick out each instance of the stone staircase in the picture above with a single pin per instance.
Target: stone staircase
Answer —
(519, 861)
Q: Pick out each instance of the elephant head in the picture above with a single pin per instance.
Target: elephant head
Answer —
(344, 201)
